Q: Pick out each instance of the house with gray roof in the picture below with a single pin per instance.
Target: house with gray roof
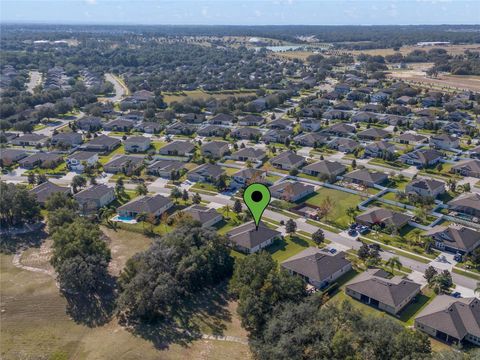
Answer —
(152, 205)
(126, 164)
(30, 140)
(102, 144)
(207, 216)
(340, 129)
(444, 141)
(411, 139)
(451, 320)
(11, 156)
(69, 139)
(380, 149)
(325, 169)
(343, 144)
(43, 191)
(454, 238)
(373, 134)
(251, 120)
(206, 173)
(422, 157)
(41, 159)
(467, 203)
(90, 123)
(246, 133)
(137, 144)
(249, 175)
(249, 154)
(164, 168)
(425, 187)
(366, 177)
(215, 149)
(94, 198)
(246, 238)
(119, 125)
(77, 160)
(374, 287)
(287, 160)
(213, 130)
(383, 217)
(291, 190)
(310, 139)
(467, 168)
(318, 267)
(222, 119)
(178, 148)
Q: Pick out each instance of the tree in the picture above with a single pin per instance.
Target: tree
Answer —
(237, 207)
(221, 183)
(120, 187)
(354, 164)
(185, 195)
(260, 285)
(78, 181)
(31, 178)
(141, 189)
(318, 237)
(442, 282)
(351, 212)
(196, 198)
(175, 193)
(17, 205)
(430, 273)
(326, 207)
(363, 252)
(477, 288)
(60, 200)
(394, 262)
(290, 226)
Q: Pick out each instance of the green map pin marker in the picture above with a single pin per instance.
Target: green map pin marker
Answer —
(257, 197)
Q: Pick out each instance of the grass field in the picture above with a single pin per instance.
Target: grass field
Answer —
(281, 250)
(342, 201)
(35, 324)
(200, 94)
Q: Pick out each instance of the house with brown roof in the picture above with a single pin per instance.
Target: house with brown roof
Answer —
(467, 203)
(467, 168)
(383, 217)
(425, 187)
(207, 216)
(246, 238)
(164, 168)
(310, 139)
(366, 177)
(287, 160)
(41, 159)
(451, 320)
(455, 239)
(340, 129)
(325, 169)
(374, 287)
(249, 175)
(246, 133)
(291, 190)
(318, 267)
(43, 191)
(154, 205)
(373, 134)
(380, 149)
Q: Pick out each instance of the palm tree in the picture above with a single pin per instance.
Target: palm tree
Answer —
(105, 215)
(227, 211)
(351, 211)
(394, 262)
(376, 228)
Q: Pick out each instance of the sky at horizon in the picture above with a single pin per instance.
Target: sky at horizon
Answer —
(242, 12)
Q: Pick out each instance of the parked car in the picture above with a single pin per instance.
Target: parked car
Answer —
(352, 232)
(333, 251)
(456, 295)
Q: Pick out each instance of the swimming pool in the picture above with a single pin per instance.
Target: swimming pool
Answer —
(124, 219)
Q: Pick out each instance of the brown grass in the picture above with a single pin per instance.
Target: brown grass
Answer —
(199, 94)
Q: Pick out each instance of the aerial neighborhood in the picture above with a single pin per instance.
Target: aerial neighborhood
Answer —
(374, 183)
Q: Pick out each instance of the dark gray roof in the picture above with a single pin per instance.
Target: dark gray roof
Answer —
(82, 155)
(459, 237)
(43, 191)
(325, 167)
(202, 213)
(147, 204)
(137, 140)
(250, 152)
(166, 165)
(214, 145)
(30, 137)
(374, 132)
(366, 175)
(287, 157)
(248, 237)
(295, 188)
(467, 200)
(316, 264)
(124, 159)
(426, 184)
(468, 165)
(208, 170)
(391, 292)
(455, 317)
(94, 192)
(180, 146)
(385, 216)
(40, 156)
(102, 140)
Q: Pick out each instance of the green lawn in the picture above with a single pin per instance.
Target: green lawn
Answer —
(342, 201)
(289, 246)
(205, 186)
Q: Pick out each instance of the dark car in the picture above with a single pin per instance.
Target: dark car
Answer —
(352, 232)
(456, 295)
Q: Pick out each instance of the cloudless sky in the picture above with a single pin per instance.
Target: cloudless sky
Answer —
(242, 12)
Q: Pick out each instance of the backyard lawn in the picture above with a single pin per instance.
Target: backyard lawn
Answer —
(281, 250)
(342, 201)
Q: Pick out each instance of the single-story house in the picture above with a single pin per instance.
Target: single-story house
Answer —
(425, 187)
(373, 134)
(10, 156)
(411, 139)
(383, 217)
(178, 148)
(246, 133)
(451, 320)
(67, 139)
(164, 168)
(366, 177)
(373, 287)
(102, 144)
(248, 175)
(222, 119)
(455, 239)
(119, 125)
(291, 191)
(90, 123)
(325, 168)
(340, 129)
(126, 164)
(422, 157)
(287, 160)
(344, 145)
(137, 144)
(379, 149)
(467, 203)
(318, 267)
(246, 238)
(207, 216)
(206, 173)
(215, 149)
(30, 140)
(44, 160)
(444, 141)
(310, 139)
(213, 130)
(43, 191)
(249, 154)
(467, 168)
(77, 160)
(251, 120)
(152, 205)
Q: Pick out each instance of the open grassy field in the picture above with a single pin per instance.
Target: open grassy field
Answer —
(36, 325)
(342, 201)
(451, 49)
(200, 94)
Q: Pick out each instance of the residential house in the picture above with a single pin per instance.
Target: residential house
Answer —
(251, 120)
(310, 139)
(340, 129)
(213, 130)
(180, 128)
(149, 127)
(222, 119)
(206, 173)
(137, 144)
(379, 97)
(366, 177)
(126, 164)
(101, 144)
(69, 139)
(425, 187)
(249, 154)
(373, 134)
(455, 239)
(467, 203)
(422, 157)
(383, 217)
(164, 168)
(444, 141)
(451, 320)
(365, 116)
(246, 133)
(119, 125)
(248, 175)
(208, 217)
(248, 239)
(276, 136)
(291, 191)
(151, 205)
(93, 198)
(467, 168)
(380, 149)
(90, 123)
(258, 105)
(411, 139)
(280, 124)
(178, 148)
(193, 118)
(43, 191)
(76, 161)
(344, 145)
(287, 160)
(11, 156)
(30, 140)
(373, 287)
(317, 267)
(325, 169)
(215, 149)
(41, 159)
(310, 125)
